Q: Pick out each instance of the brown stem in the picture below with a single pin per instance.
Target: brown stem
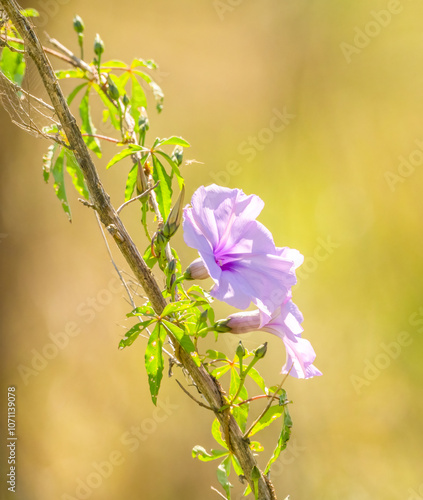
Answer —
(103, 137)
(46, 49)
(206, 384)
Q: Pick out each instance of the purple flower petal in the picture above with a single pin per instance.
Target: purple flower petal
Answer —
(239, 252)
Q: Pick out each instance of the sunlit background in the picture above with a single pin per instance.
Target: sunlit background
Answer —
(341, 175)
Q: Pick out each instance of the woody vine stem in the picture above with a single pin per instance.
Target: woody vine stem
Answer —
(235, 250)
(100, 200)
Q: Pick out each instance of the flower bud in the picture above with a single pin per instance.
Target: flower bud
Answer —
(161, 240)
(177, 155)
(260, 352)
(143, 123)
(244, 322)
(171, 267)
(125, 100)
(113, 90)
(98, 45)
(240, 350)
(221, 326)
(175, 217)
(197, 270)
(78, 24)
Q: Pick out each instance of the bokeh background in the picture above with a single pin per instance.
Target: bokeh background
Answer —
(342, 182)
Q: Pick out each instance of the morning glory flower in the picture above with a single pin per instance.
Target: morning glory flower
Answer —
(286, 324)
(238, 252)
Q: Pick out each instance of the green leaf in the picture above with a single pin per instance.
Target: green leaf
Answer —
(12, 64)
(174, 167)
(145, 64)
(87, 125)
(142, 311)
(132, 334)
(200, 453)
(272, 414)
(125, 153)
(283, 439)
(70, 73)
(220, 371)
(183, 340)
(223, 472)
(59, 182)
(30, 13)
(237, 467)
(74, 170)
(256, 446)
(174, 141)
(181, 305)
(154, 361)
(47, 161)
(258, 379)
(138, 98)
(131, 182)
(212, 354)
(196, 291)
(113, 111)
(217, 434)
(74, 92)
(240, 414)
(114, 63)
(164, 189)
(149, 258)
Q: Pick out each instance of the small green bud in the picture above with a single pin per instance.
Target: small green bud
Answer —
(221, 326)
(125, 100)
(143, 123)
(260, 352)
(171, 267)
(177, 155)
(98, 45)
(175, 217)
(161, 240)
(113, 90)
(240, 350)
(78, 24)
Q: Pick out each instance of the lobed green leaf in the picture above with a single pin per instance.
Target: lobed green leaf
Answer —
(174, 141)
(132, 334)
(164, 189)
(283, 439)
(59, 182)
(183, 340)
(223, 471)
(70, 73)
(217, 434)
(142, 311)
(154, 361)
(12, 64)
(272, 414)
(125, 153)
(131, 182)
(75, 172)
(200, 453)
(87, 125)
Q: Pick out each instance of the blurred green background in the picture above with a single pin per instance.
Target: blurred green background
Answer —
(342, 182)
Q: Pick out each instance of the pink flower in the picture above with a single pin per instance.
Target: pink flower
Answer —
(237, 251)
(286, 324)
